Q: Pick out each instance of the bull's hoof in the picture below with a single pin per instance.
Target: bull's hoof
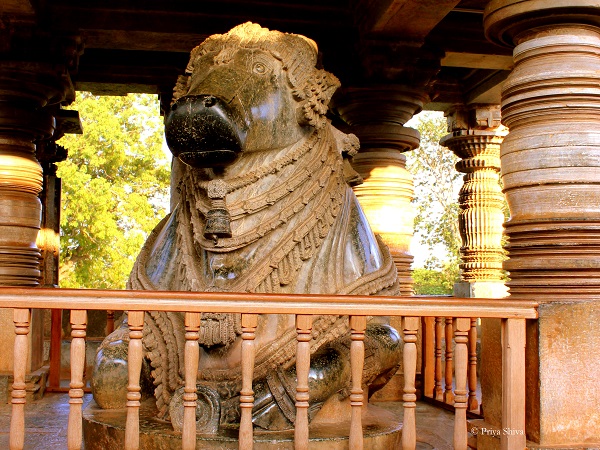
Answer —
(110, 377)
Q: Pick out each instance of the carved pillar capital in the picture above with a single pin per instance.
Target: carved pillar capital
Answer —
(379, 103)
(507, 22)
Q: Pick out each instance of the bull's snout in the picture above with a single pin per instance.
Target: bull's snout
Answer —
(203, 131)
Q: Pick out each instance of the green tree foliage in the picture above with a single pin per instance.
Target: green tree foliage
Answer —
(433, 282)
(436, 199)
(115, 185)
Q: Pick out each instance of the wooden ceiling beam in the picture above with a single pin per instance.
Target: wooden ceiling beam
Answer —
(16, 7)
(142, 40)
(410, 20)
(477, 61)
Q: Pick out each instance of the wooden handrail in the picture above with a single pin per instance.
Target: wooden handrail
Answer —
(224, 302)
(458, 311)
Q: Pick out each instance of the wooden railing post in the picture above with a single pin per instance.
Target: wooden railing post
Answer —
(513, 384)
(78, 332)
(134, 362)
(461, 360)
(448, 395)
(410, 326)
(473, 404)
(358, 324)
(110, 322)
(21, 319)
(428, 352)
(249, 323)
(55, 350)
(303, 329)
(191, 359)
(439, 330)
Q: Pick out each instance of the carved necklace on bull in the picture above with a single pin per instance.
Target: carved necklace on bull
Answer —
(314, 204)
(218, 217)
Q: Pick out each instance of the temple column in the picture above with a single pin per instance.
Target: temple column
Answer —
(376, 114)
(550, 170)
(476, 135)
(26, 88)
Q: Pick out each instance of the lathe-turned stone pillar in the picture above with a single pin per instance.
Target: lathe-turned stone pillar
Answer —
(551, 172)
(376, 115)
(476, 137)
(26, 87)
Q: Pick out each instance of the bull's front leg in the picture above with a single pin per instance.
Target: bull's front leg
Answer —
(110, 374)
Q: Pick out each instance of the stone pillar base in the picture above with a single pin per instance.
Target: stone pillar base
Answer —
(480, 289)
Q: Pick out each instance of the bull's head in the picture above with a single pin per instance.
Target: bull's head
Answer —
(250, 89)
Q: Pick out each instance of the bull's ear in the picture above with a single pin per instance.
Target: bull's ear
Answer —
(181, 87)
(315, 96)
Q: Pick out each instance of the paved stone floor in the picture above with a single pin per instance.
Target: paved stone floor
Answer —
(46, 424)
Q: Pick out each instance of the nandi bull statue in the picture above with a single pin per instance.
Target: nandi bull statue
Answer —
(264, 206)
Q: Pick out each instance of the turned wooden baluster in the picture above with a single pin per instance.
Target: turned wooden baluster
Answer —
(134, 362)
(410, 326)
(461, 332)
(448, 396)
(428, 351)
(78, 332)
(21, 318)
(513, 384)
(358, 324)
(439, 330)
(249, 323)
(303, 328)
(110, 322)
(473, 404)
(191, 358)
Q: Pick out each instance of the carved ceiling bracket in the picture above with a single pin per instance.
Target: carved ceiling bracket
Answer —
(465, 118)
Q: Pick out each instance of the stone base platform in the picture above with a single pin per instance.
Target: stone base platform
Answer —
(105, 430)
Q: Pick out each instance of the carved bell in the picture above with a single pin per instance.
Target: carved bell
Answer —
(218, 224)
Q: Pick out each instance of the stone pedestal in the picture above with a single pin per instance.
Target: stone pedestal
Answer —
(550, 170)
(105, 430)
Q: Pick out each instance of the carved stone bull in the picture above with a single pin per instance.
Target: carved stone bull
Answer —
(264, 206)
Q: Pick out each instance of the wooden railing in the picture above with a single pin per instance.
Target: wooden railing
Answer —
(412, 309)
(437, 369)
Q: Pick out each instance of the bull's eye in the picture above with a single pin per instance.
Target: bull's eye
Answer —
(259, 68)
